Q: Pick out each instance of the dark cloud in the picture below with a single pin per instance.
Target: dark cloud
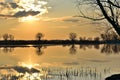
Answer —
(9, 5)
(1, 3)
(13, 5)
(15, 14)
(21, 14)
(4, 5)
(2, 15)
(25, 13)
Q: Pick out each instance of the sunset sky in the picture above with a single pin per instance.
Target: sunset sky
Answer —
(54, 18)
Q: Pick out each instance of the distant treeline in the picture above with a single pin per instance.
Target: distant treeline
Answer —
(36, 42)
(107, 38)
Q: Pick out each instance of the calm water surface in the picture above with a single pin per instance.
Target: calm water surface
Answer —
(52, 62)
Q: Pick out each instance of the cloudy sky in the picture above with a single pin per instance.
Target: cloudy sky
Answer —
(54, 18)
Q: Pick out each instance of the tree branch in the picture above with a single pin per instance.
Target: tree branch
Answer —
(91, 18)
(113, 4)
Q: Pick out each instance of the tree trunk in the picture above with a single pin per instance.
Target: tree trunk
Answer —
(117, 29)
(114, 24)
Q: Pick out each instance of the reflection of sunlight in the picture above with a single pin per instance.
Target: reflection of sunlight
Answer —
(29, 62)
(28, 65)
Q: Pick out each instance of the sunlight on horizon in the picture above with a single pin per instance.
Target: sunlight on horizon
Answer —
(28, 19)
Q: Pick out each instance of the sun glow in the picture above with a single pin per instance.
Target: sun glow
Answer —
(28, 19)
(24, 10)
(33, 5)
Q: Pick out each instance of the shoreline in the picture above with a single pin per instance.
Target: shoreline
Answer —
(56, 42)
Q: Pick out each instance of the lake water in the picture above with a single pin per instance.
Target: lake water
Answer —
(59, 62)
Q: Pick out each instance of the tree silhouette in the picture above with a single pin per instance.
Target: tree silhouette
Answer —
(39, 36)
(0, 36)
(11, 37)
(5, 36)
(96, 39)
(110, 36)
(8, 37)
(72, 36)
(101, 9)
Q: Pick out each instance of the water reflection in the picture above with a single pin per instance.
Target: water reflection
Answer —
(56, 56)
(7, 49)
(39, 49)
(19, 73)
(105, 48)
(110, 48)
(44, 73)
(73, 49)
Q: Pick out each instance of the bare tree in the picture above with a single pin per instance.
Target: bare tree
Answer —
(11, 37)
(72, 36)
(8, 37)
(96, 10)
(39, 36)
(0, 37)
(96, 39)
(110, 36)
(5, 36)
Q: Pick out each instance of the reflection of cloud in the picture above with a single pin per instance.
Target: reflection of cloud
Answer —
(71, 63)
(94, 60)
(98, 61)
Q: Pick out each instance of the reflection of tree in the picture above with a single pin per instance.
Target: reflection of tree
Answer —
(7, 49)
(73, 49)
(39, 50)
(97, 46)
(110, 48)
(82, 46)
(107, 48)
